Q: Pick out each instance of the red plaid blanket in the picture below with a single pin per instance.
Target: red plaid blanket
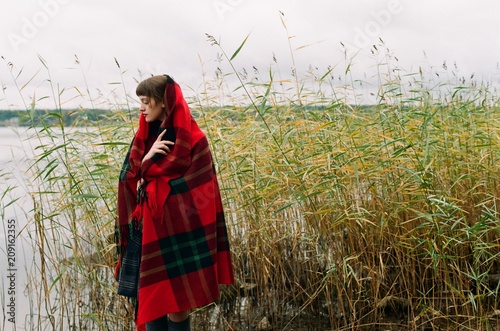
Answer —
(185, 250)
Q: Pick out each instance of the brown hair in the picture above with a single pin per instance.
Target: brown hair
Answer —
(152, 87)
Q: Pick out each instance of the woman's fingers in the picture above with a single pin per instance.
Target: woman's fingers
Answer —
(161, 135)
(163, 146)
(160, 146)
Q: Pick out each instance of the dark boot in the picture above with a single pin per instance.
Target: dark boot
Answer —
(180, 326)
(160, 324)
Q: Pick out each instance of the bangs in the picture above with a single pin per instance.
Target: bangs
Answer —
(153, 87)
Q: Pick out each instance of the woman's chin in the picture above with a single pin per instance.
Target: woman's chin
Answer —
(150, 118)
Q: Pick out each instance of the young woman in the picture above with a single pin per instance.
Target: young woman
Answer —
(171, 232)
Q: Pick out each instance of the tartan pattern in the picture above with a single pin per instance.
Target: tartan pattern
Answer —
(129, 271)
(185, 250)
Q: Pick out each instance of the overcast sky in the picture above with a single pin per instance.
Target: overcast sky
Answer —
(159, 36)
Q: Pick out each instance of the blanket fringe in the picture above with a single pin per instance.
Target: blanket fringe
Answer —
(153, 205)
(125, 232)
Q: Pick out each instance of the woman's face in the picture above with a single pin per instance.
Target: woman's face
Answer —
(152, 110)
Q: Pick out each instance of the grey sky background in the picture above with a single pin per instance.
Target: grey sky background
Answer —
(159, 36)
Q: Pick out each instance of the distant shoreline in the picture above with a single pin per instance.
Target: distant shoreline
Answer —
(37, 117)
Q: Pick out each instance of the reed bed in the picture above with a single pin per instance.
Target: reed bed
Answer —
(342, 215)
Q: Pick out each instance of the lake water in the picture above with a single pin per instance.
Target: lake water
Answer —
(20, 263)
(21, 292)
(25, 275)
(16, 252)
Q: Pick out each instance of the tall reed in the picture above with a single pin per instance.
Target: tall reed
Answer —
(342, 216)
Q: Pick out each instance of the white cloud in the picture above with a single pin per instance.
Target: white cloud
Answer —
(169, 37)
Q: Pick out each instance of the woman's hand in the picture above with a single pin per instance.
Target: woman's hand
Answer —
(159, 147)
